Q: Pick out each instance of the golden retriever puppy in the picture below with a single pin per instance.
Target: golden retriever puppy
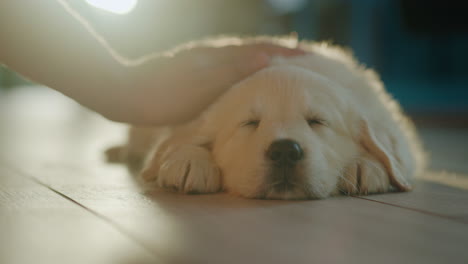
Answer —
(305, 127)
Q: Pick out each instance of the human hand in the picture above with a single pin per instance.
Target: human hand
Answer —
(79, 64)
(176, 89)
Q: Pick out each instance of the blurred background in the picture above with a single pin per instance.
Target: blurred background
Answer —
(418, 47)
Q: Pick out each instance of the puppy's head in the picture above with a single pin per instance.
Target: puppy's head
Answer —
(288, 132)
(281, 135)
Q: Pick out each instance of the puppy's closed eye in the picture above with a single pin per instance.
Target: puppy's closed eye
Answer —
(315, 121)
(251, 123)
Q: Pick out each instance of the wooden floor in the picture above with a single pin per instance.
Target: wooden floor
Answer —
(61, 203)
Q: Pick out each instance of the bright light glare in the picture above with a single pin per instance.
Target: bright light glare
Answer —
(114, 6)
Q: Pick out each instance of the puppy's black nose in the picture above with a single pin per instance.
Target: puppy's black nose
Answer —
(285, 152)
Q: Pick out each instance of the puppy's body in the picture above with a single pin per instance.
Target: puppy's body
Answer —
(304, 127)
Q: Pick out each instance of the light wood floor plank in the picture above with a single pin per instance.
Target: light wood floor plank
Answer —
(431, 198)
(39, 226)
(225, 229)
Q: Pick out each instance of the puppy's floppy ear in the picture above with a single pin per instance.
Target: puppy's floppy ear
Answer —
(386, 156)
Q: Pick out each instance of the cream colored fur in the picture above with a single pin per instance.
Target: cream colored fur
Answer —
(363, 143)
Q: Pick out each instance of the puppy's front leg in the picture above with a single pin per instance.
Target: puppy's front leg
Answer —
(365, 176)
(183, 164)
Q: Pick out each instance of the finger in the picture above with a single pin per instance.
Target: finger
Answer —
(237, 62)
(258, 62)
(225, 74)
(243, 67)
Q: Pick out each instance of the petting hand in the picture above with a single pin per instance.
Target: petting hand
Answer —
(63, 53)
(176, 89)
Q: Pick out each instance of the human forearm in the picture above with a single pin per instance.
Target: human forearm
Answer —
(42, 42)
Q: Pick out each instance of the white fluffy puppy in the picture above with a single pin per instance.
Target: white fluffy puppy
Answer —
(305, 127)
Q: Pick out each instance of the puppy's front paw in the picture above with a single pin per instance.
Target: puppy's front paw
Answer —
(365, 176)
(373, 177)
(188, 169)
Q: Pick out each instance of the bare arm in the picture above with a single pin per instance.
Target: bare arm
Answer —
(41, 41)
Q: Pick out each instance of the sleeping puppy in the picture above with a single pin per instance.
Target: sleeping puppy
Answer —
(303, 128)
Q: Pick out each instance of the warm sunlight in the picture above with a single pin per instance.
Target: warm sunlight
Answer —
(114, 6)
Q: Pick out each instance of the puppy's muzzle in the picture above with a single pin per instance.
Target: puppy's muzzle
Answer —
(285, 153)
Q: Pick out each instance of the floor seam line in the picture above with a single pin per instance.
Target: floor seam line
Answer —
(102, 217)
(434, 214)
